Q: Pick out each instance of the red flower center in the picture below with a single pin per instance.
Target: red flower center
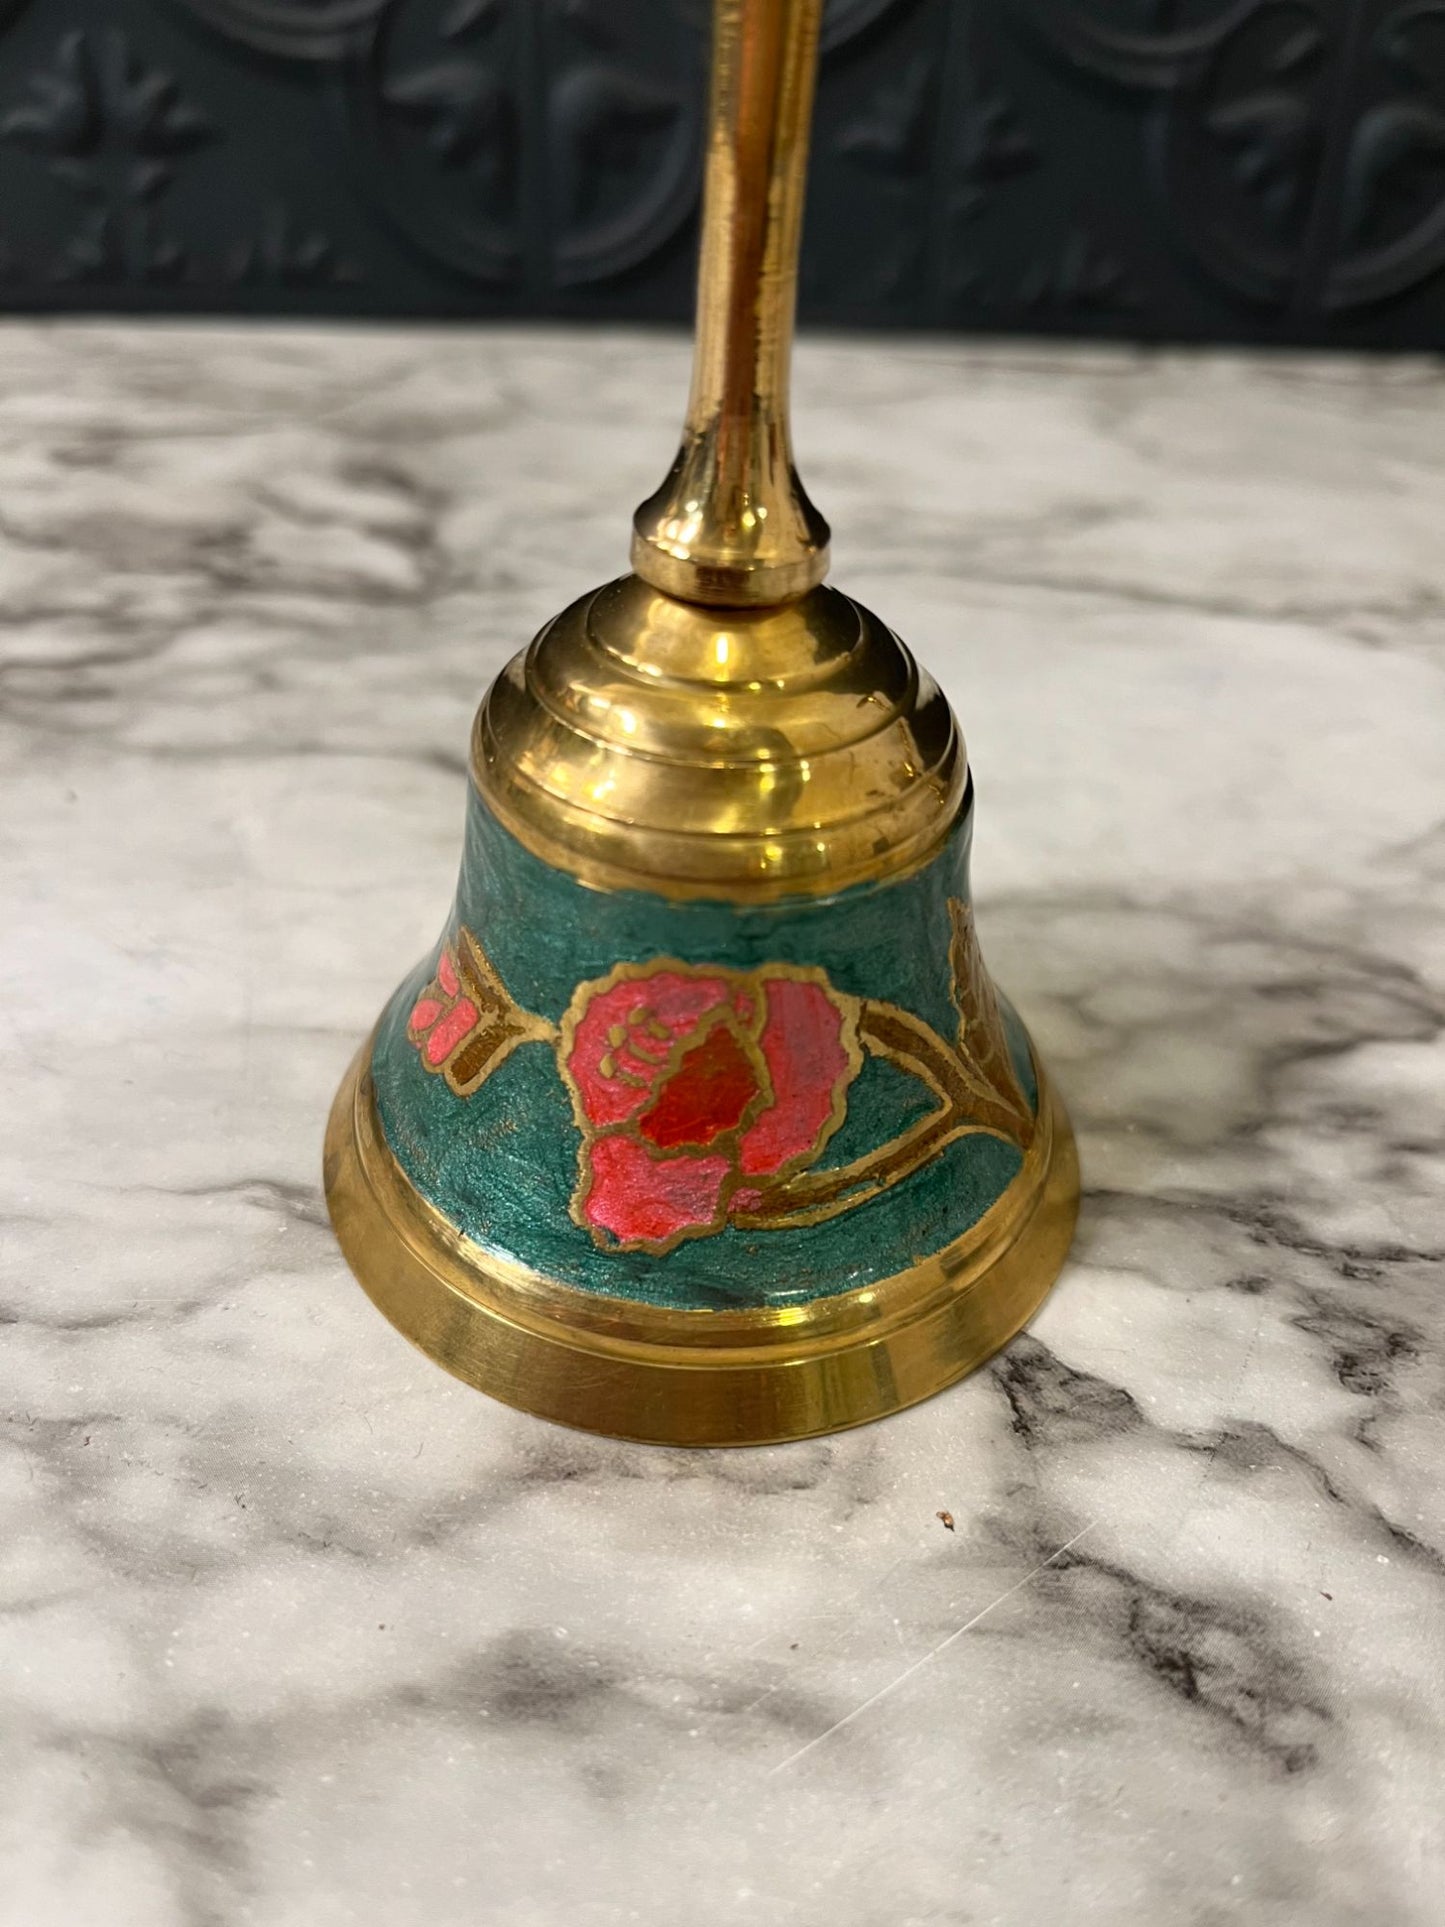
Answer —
(706, 1095)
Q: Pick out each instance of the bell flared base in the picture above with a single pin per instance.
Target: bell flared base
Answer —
(685, 1377)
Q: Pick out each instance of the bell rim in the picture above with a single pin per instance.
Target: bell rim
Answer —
(662, 1375)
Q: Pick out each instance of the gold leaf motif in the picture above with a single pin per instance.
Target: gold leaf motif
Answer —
(982, 1040)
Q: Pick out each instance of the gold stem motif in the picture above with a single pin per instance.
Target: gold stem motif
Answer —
(731, 524)
(976, 1098)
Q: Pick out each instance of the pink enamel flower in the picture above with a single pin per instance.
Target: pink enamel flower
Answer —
(464, 1024)
(696, 1088)
(443, 1017)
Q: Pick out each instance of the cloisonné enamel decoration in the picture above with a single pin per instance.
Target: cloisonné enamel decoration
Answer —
(704, 1122)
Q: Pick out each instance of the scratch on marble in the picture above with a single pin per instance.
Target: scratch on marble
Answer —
(942, 1646)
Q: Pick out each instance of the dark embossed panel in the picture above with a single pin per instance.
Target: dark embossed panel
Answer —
(1264, 170)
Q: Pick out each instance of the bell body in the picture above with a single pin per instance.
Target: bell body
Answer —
(703, 1122)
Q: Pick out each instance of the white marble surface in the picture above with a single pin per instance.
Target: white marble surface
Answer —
(296, 1632)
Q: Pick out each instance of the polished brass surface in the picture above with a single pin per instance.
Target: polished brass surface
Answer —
(717, 725)
(695, 1377)
(754, 754)
(731, 524)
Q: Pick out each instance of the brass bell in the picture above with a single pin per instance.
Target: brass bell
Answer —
(704, 1123)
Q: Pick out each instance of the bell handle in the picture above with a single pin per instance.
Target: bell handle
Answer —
(731, 524)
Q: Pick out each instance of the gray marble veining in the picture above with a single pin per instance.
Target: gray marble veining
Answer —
(296, 1632)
